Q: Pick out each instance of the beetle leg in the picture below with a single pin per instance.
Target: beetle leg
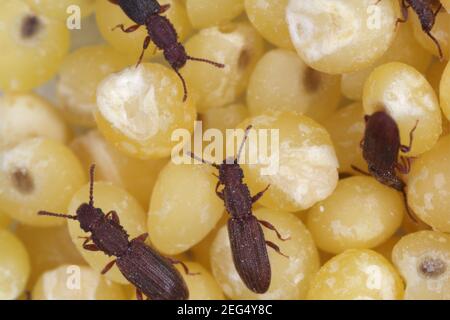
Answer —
(219, 193)
(139, 294)
(270, 226)
(185, 268)
(89, 247)
(108, 266)
(164, 8)
(360, 170)
(405, 13)
(405, 166)
(257, 196)
(113, 216)
(144, 47)
(411, 138)
(127, 30)
(276, 248)
(141, 238)
(437, 10)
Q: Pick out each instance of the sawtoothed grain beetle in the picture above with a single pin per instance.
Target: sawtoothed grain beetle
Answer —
(248, 245)
(381, 147)
(161, 31)
(151, 273)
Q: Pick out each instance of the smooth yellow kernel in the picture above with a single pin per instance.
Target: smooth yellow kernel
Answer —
(184, 207)
(385, 249)
(290, 276)
(107, 197)
(227, 117)
(14, 266)
(207, 13)
(341, 36)
(445, 91)
(360, 214)
(109, 16)
(302, 164)
(134, 175)
(356, 275)
(406, 95)
(201, 286)
(238, 46)
(24, 116)
(428, 186)
(268, 17)
(38, 174)
(63, 9)
(79, 76)
(75, 282)
(5, 220)
(281, 81)
(346, 127)
(48, 248)
(33, 47)
(405, 48)
(423, 260)
(139, 108)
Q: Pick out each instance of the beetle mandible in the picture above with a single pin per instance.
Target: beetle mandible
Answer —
(161, 31)
(248, 245)
(151, 273)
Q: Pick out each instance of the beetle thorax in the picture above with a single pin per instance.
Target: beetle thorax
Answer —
(87, 216)
(230, 174)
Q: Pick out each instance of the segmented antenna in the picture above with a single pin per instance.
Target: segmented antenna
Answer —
(193, 156)
(59, 215)
(247, 130)
(216, 64)
(91, 185)
(184, 84)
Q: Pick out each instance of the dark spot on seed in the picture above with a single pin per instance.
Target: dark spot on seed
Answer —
(244, 59)
(311, 79)
(22, 180)
(432, 267)
(30, 26)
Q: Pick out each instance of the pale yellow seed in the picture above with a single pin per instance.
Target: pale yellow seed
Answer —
(357, 275)
(299, 162)
(75, 282)
(14, 266)
(207, 13)
(423, 259)
(184, 207)
(24, 116)
(360, 214)
(445, 91)
(341, 36)
(429, 186)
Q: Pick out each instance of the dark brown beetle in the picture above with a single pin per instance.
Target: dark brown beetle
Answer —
(381, 146)
(427, 17)
(160, 31)
(151, 273)
(248, 245)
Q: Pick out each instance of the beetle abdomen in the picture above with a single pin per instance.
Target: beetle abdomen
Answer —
(139, 10)
(152, 274)
(249, 251)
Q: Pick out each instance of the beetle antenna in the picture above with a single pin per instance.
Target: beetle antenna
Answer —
(216, 64)
(193, 156)
(184, 84)
(46, 213)
(91, 185)
(247, 130)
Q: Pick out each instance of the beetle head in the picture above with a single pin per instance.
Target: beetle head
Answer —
(87, 215)
(176, 56)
